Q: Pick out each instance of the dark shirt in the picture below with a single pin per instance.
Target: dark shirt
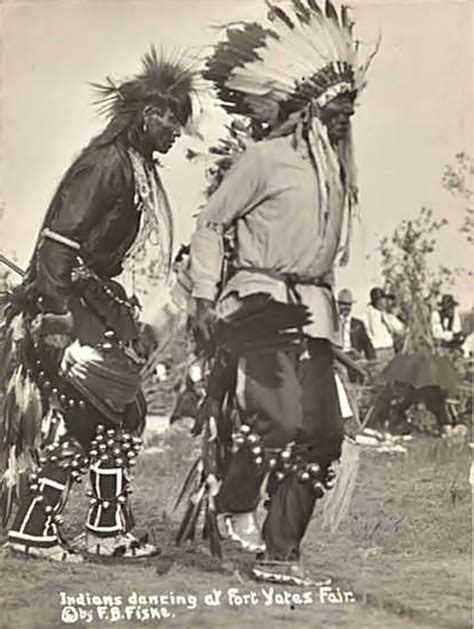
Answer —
(360, 340)
(93, 206)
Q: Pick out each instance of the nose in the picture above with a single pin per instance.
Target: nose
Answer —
(348, 111)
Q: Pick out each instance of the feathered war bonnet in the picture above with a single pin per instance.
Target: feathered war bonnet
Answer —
(303, 54)
(282, 73)
(163, 82)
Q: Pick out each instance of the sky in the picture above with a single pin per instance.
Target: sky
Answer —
(414, 116)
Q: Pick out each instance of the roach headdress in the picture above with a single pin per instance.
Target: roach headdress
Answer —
(162, 82)
(303, 54)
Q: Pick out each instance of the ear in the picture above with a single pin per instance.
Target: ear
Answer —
(147, 112)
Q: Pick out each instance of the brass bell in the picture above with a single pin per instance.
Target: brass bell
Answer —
(318, 489)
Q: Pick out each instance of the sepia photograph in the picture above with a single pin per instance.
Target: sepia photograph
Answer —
(236, 314)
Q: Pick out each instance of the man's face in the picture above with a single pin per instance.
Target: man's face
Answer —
(162, 128)
(336, 116)
(344, 308)
(448, 309)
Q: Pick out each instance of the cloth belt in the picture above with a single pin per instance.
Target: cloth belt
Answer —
(289, 278)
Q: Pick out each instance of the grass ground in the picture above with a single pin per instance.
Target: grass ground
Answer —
(404, 551)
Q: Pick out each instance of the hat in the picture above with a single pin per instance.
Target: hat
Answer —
(345, 297)
(376, 293)
(447, 301)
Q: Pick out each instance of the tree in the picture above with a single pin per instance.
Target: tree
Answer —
(408, 274)
(458, 179)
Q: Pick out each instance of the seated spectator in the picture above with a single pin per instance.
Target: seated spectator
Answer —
(468, 346)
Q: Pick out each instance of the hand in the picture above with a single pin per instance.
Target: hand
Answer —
(205, 321)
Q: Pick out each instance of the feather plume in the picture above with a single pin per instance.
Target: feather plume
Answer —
(336, 502)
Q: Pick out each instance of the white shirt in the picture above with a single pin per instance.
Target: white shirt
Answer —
(271, 196)
(438, 326)
(345, 323)
(378, 328)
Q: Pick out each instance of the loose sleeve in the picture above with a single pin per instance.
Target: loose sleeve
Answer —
(241, 190)
(88, 190)
(369, 324)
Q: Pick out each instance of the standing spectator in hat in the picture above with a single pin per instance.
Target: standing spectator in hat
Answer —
(378, 326)
(446, 323)
(355, 339)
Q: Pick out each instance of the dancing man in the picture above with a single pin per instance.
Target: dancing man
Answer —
(290, 200)
(73, 355)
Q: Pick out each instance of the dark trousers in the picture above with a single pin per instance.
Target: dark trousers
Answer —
(284, 399)
(433, 397)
